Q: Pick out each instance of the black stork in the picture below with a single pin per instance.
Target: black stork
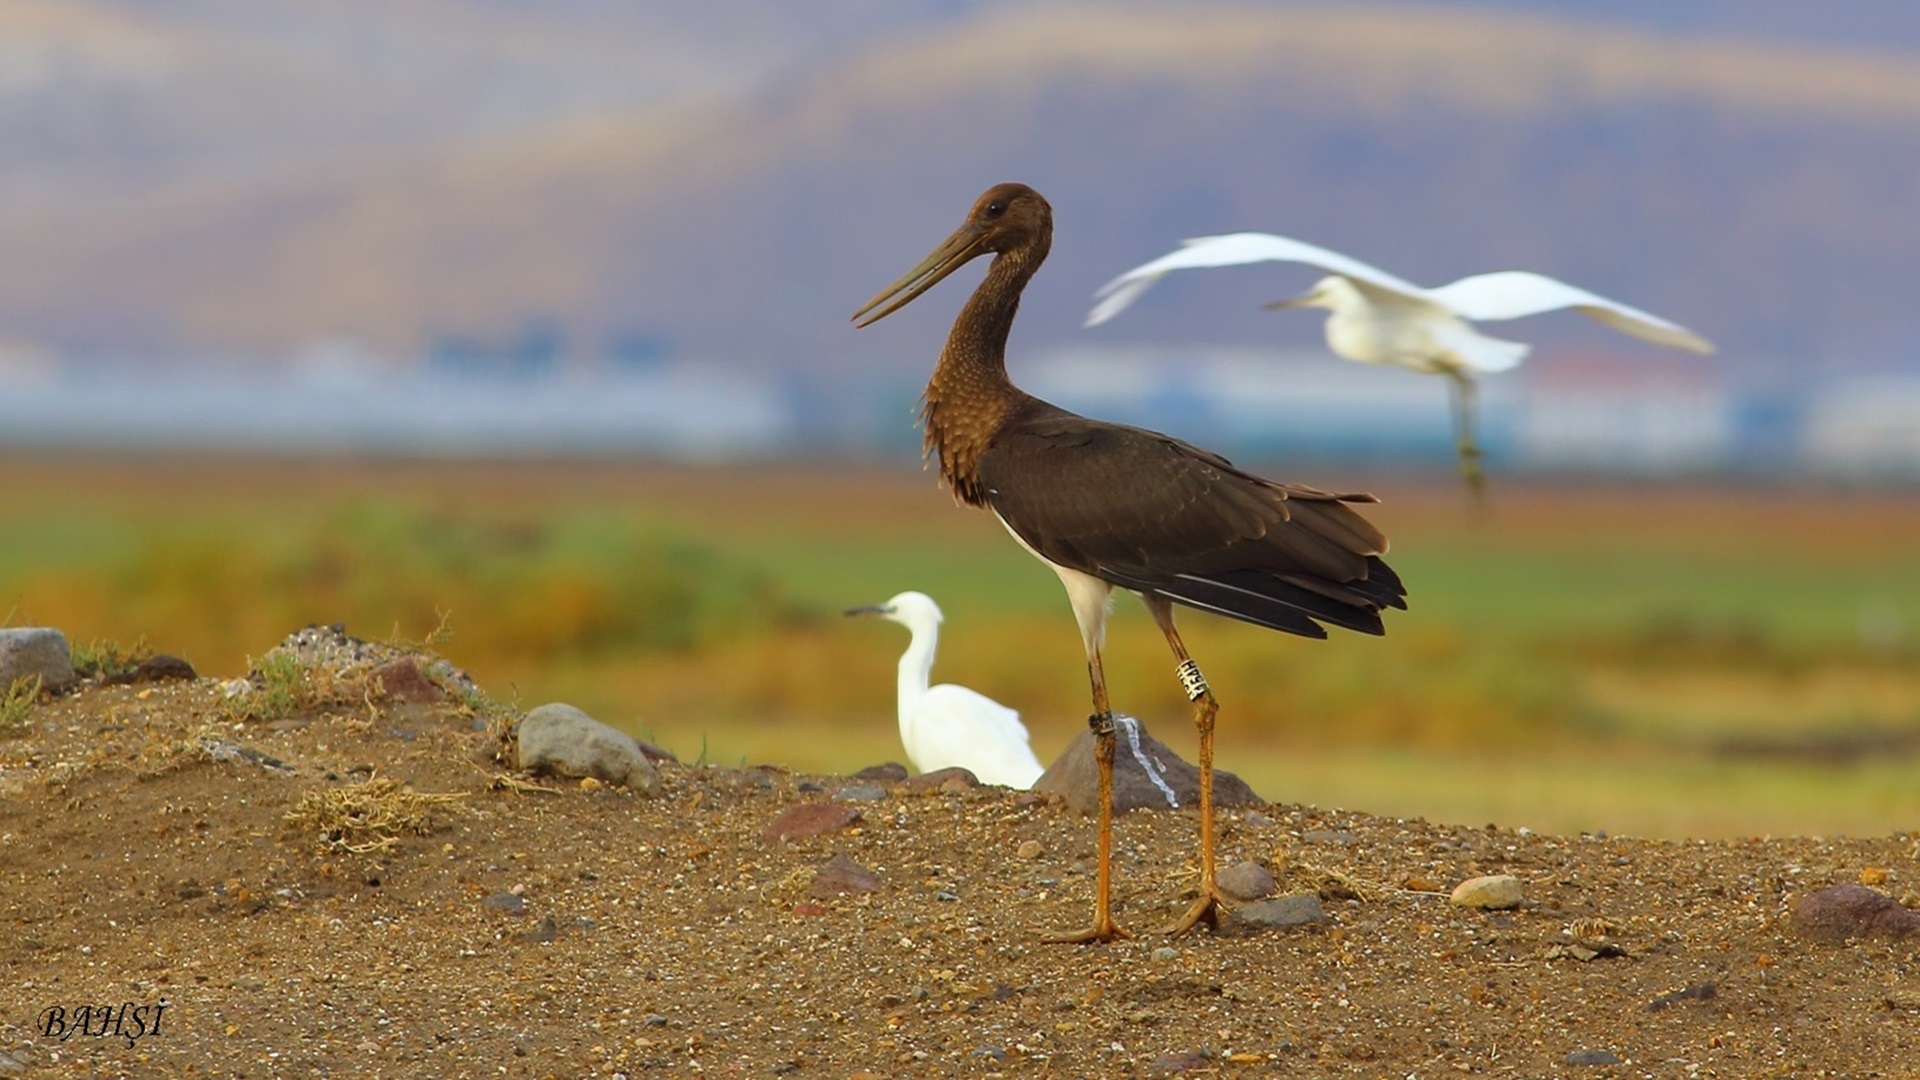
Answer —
(1106, 505)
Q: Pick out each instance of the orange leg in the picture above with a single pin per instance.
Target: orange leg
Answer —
(1103, 928)
(1208, 905)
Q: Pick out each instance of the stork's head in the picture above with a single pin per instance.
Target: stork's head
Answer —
(1333, 292)
(1005, 218)
(912, 610)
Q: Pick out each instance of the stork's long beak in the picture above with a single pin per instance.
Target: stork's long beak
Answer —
(1305, 299)
(870, 609)
(960, 248)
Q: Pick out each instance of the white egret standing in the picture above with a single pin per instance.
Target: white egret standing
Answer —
(947, 725)
(1381, 319)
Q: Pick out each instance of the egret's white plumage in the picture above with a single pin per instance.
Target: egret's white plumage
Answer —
(1378, 318)
(946, 725)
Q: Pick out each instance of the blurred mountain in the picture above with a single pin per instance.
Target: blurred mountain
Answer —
(726, 183)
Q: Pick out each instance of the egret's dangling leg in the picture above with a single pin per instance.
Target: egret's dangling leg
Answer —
(1464, 400)
(1208, 905)
(1103, 928)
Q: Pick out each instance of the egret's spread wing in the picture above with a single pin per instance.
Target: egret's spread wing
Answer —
(1150, 513)
(1510, 294)
(1235, 249)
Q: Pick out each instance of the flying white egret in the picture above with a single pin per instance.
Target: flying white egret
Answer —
(947, 725)
(1381, 319)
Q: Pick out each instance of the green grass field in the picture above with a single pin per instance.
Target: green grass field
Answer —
(1659, 660)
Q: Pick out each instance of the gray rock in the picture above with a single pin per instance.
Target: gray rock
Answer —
(506, 902)
(1593, 1057)
(27, 651)
(1841, 913)
(860, 793)
(1279, 913)
(561, 739)
(1075, 777)
(890, 772)
(1245, 880)
(1494, 892)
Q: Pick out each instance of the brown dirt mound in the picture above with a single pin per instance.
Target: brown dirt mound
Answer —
(154, 848)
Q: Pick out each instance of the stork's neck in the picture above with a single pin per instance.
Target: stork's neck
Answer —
(970, 395)
(916, 671)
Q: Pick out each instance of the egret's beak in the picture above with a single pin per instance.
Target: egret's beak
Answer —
(966, 243)
(1305, 299)
(870, 609)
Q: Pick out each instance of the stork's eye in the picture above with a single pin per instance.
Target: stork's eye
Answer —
(996, 208)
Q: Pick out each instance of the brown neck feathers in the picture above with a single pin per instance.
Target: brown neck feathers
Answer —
(970, 397)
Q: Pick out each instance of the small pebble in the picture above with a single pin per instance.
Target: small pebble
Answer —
(506, 902)
(1165, 952)
(1246, 880)
(1029, 849)
(1593, 1057)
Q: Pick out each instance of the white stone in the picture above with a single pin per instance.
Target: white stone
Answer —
(1495, 892)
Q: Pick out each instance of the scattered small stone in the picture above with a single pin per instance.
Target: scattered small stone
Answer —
(1029, 849)
(808, 786)
(1074, 776)
(400, 679)
(1421, 883)
(558, 738)
(991, 1053)
(809, 909)
(1279, 913)
(809, 820)
(951, 778)
(1165, 953)
(1584, 951)
(544, 931)
(842, 875)
(1494, 892)
(1246, 880)
(1184, 1061)
(1593, 1057)
(1257, 820)
(1873, 875)
(1705, 991)
(591, 783)
(29, 651)
(1841, 913)
(891, 772)
(228, 751)
(506, 903)
(1328, 836)
(860, 793)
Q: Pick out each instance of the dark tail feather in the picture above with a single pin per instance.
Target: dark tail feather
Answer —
(1382, 585)
(1260, 599)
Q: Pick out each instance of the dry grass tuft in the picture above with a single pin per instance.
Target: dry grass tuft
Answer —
(17, 704)
(366, 817)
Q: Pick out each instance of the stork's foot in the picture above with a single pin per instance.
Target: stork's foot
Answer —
(1101, 932)
(1207, 908)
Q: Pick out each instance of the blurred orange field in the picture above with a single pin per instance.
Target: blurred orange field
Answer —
(1666, 659)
